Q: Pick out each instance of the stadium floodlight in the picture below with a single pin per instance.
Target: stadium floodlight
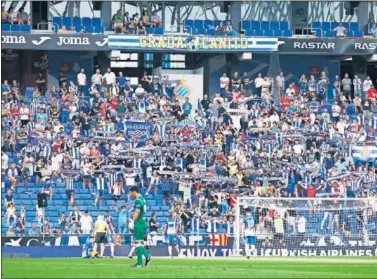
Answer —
(298, 226)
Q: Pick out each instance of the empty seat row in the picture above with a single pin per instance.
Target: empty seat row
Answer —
(264, 25)
(15, 28)
(268, 33)
(69, 21)
(157, 30)
(328, 26)
(331, 34)
(202, 24)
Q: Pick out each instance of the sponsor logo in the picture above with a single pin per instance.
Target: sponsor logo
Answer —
(8, 39)
(369, 46)
(13, 243)
(103, 43)
(73, 41)
(314, 45)
(41, 40)
(43, 64)
(9, 55)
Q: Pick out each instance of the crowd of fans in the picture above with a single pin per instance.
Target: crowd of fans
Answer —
(257, 137)
(135, 24)
(14, 17)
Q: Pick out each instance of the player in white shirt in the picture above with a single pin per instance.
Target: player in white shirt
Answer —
(171, 231)
(249, 230)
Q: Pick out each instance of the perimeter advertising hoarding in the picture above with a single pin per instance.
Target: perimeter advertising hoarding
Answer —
(184, 43)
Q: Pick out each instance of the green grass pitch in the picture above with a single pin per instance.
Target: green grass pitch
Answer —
(192, 268)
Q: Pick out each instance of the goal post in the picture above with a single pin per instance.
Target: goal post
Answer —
(309, 226)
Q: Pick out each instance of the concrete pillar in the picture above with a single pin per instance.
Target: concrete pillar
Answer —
(235, 15)
(106, 15)
(362, 18)
(359, 66)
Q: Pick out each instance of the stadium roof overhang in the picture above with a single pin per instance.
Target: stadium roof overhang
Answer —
(186, 43)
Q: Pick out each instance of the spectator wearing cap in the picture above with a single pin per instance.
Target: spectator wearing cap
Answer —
(117, 21)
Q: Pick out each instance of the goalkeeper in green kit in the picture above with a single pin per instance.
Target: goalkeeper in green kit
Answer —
(139, 226)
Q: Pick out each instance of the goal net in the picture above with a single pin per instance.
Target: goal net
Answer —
(306, 227)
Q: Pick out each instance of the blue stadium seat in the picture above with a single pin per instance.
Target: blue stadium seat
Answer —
(268, 33)
(358, 34)
(89, 29)
(326, 26)
(255, 25)
(97, 21)
(265, 25)
(198, 24)
(216, 22)
(189, 22)
(159, 30)
(258, 33)
(5, 27)
(333, 25)
(58, 21)
(346, 25)
(149, 30)
(329, 34)
(274, 25)
(16, 28)
(99, 29)
(249, 33)
(25, 28)
(316, 25)
(208, 24)
(349, 34)
(278, 33)
(287, 33)
(245, 25)
(86, 21)
(284, 25)
(76, 21)
(201, 31)
(354, 26)
(67, 21)
(211, 32)
(78, 28)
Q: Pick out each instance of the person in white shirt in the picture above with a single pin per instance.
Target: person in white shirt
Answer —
(301, 225)
(139, 89)
(81, 81)
(109, 78)
(97, 80)
(280, 79)
(336, 111)
(290, 92)
(258, 85)
(357, 86)
(86, 223)
(297, 148)
(4, 161)
(24, 114)
(266, 84)
(224, 83)
(366, 85)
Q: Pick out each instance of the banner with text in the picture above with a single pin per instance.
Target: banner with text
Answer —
(138, 131)
(192, 43)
